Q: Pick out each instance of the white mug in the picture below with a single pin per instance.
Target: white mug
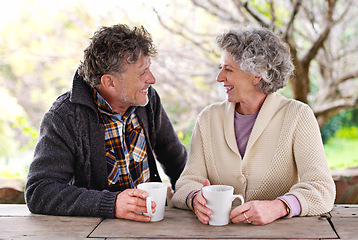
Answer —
(219, 200)
(157, 192)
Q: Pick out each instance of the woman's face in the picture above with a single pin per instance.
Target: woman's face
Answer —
(239, 85)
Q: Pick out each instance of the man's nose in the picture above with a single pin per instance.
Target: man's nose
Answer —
(151, 78)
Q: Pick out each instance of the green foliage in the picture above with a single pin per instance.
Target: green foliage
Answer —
(185, 137)
(22, 123)
(286, 91)
(39, 54)
(341, 148)
(9, 111)
(281, 13)
(347, 133)
(6, 173)
(16, 132)
(345, 119)
(342, 153)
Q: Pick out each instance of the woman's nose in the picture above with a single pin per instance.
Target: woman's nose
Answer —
(220, 76)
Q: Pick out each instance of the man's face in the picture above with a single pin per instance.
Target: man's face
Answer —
(132, 85)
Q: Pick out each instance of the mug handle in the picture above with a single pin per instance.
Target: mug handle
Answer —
(149, 206)
(239, 197)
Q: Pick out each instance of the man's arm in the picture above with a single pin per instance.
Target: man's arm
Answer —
(50, 189)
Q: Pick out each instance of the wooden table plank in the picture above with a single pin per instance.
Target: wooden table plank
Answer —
(46, 227)
(345, 210)
(345, 220)
(183, 224)
(14, 210)
(346, 228)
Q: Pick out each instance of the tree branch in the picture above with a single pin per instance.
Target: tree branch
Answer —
(179, 33)
(295, 9)
(322, 37)
(255, 15)
(345, 12)
(348, 76)
(273, 17)
(223, 16)
(346, 52)
(240, 7)
(310, 16)
(338, 105)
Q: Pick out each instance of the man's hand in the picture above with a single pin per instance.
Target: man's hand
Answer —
(131, 203)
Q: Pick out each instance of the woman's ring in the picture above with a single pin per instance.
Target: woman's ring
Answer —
(247, 219)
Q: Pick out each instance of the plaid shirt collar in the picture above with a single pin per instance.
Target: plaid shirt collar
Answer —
(105, 108)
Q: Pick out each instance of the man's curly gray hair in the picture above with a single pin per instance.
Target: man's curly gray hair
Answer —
(259, 52)
(112, 49)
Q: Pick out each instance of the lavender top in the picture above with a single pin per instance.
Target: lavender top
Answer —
(243, 125)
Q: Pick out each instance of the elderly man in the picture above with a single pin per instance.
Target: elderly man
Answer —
(103, 137)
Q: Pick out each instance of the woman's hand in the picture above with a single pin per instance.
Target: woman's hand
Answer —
(259, 212)
(199, 202)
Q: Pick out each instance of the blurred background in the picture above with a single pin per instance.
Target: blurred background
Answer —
(42, 42)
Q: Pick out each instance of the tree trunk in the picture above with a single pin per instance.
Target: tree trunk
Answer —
(300, 79)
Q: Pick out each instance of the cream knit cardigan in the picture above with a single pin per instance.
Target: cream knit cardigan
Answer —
(284, 155)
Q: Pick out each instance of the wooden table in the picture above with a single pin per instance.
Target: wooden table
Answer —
(16, 222)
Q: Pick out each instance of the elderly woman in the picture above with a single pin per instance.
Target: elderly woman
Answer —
(266, 146)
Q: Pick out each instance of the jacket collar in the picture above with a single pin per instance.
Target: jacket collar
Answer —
(80, 92)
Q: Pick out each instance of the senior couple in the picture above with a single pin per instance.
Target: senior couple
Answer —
(102, 138)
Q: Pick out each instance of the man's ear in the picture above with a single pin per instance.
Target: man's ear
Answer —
(107, 81)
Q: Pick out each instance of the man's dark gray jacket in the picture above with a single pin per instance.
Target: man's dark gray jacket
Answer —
(68, 175)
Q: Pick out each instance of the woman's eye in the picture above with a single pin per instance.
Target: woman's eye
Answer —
(226, 69)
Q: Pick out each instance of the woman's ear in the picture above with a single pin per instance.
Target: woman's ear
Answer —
(257, 79)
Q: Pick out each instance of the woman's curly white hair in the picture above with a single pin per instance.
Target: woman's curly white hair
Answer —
(259, 52)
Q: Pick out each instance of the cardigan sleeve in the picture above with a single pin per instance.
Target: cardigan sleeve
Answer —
(49, 188)
(195, 171)
(315, 189)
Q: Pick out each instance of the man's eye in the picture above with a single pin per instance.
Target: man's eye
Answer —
(143, 72)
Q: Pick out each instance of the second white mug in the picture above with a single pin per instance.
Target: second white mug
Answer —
(219, 200)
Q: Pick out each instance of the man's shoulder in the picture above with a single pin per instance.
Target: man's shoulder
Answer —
(62, 103)
(63, 107)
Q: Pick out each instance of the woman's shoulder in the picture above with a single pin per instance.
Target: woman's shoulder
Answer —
(290, 103)
(215, 108)
(214, 115)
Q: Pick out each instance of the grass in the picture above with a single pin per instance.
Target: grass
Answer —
(342, 153)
